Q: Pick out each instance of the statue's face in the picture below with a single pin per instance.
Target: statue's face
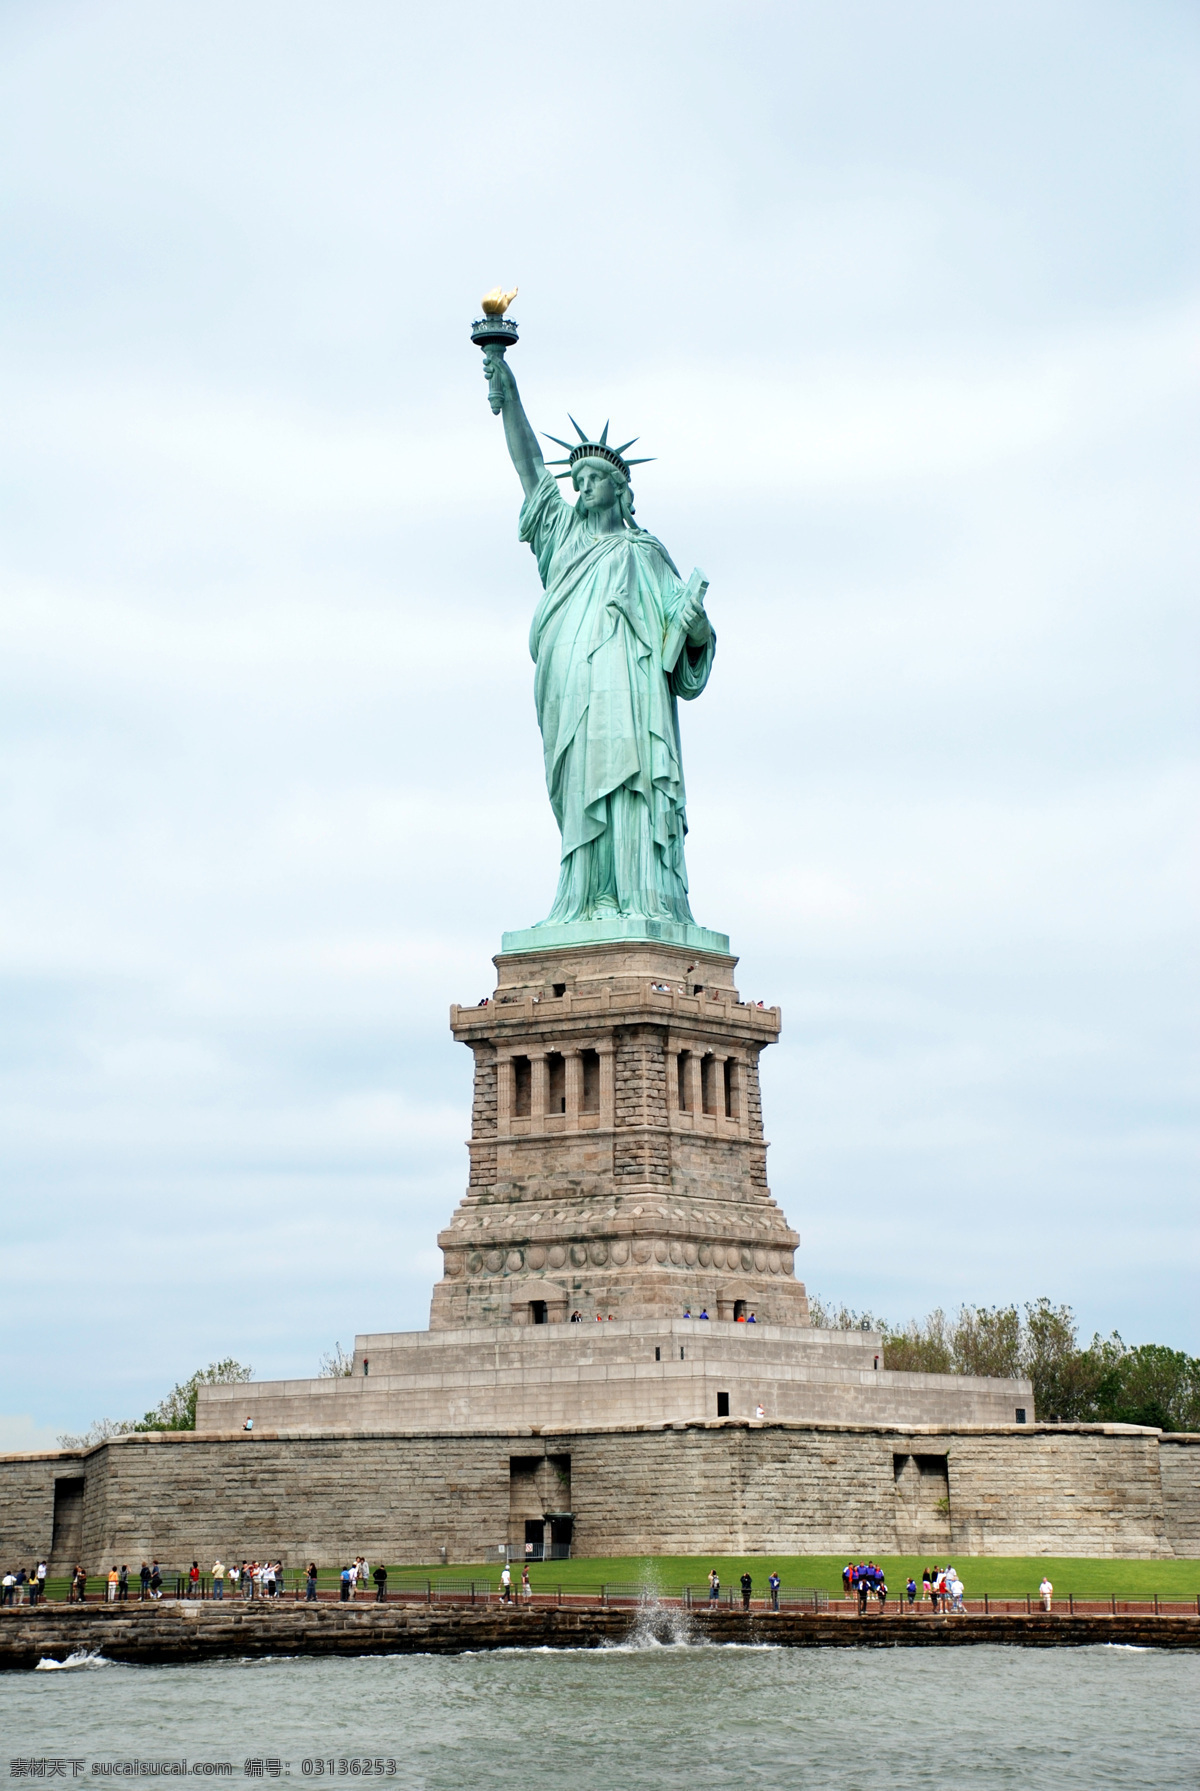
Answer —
(597, 491)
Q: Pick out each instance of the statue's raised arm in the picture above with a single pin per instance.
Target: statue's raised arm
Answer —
(518, 433)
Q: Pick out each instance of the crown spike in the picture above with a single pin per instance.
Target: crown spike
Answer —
(627, 444)
(604, 436)
(579, 432)
(558, 441)
(643, 460)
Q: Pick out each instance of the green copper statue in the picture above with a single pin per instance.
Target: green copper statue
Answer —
(617, 638)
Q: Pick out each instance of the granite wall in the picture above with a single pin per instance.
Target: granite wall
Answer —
(1179, 1459)
(721, 1487)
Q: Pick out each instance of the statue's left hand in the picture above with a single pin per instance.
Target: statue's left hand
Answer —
(695, 622)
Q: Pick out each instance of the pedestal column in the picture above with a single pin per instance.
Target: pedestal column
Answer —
(573, 1086)
(695, 1088)
(608, 1105)
(504, 1094)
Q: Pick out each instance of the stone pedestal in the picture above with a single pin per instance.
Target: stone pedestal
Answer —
(618, 1165)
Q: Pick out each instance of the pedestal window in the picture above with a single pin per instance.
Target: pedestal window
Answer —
(590, 1066)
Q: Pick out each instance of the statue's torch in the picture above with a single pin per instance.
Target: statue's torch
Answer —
(497, 332)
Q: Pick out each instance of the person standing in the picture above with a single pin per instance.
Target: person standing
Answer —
(80, 1584)
(310, 1583)
(247, 1581)
(380, 1578)
(155, 1580)
(864, 1586)
(218, 1580)
(144, 1582)
(194, 1580)
(123, 1585)
(345, 1584)
(773, 1583)
(933, 1587)
(1046, 1592)
(714, 1586)
(526, 1587)
(747, 1585)
(506, 1584)
(111, 1591)
(911, 1591)
(41, 1580)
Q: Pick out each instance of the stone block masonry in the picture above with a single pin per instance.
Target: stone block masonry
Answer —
(618, 1164)
(185, 1633)
(643, 1371)
(723, 1487)
(1179, 1467)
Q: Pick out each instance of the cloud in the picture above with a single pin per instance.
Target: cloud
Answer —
(21, 1436)
(919, 385)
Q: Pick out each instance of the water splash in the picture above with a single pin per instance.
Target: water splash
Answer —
(658, 1625)
(82, 1657)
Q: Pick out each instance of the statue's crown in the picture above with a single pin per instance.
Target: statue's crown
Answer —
(586, 449)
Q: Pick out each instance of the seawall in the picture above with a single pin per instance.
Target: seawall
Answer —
(178, 1633)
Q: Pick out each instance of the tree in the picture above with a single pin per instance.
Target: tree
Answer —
(335, 1363)
(1066, 1380)
(1106, 1383)
(838, 1318)
(987, 1340)
(1152, 1385)
(919, 1348)
(98, 1432)
(176, 1412)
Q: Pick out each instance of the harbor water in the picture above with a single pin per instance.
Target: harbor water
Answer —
(616, 1719)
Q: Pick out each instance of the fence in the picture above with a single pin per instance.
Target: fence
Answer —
(486, 1589)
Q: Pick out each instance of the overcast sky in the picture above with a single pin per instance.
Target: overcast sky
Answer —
(904, 300)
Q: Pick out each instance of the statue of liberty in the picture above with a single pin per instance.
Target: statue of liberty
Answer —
(617, 639)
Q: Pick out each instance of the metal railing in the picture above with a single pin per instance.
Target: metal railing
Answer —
(486, 1589)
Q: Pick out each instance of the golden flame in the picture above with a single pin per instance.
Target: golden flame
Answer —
(497, 301)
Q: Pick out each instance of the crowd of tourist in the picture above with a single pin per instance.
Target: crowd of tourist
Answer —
(23, 1585)
(943, 1588)
(940, 1585)
(861, 1581)
(249, 1579)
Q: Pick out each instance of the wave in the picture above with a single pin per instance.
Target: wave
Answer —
(82, 1657)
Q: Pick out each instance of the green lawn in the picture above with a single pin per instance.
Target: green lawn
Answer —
(1001, 1576)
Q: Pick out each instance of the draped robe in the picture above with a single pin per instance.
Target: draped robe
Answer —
(608, 710)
